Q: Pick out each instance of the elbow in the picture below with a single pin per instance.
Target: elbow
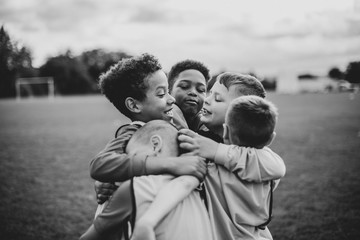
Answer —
(279, 172)
(283, 172)
(94, 171)
(188, 182)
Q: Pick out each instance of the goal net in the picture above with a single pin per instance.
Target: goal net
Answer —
(35, 87)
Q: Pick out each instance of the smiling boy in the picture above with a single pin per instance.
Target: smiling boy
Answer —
(138, 88)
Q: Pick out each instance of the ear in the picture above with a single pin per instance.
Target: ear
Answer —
(226, 134)
(272, 137)
(156, 143)
(133, 105)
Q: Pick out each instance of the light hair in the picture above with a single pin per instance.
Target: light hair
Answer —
(245, 84)
(251, 120)
(165, 130)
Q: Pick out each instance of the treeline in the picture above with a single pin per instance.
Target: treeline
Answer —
(71, 74)
(79, 74)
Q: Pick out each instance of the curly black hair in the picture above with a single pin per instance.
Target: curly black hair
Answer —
(186, 65)
(127, 79)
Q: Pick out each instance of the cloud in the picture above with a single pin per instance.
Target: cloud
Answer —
(232, 34)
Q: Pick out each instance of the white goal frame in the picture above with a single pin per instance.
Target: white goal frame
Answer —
(35, 80)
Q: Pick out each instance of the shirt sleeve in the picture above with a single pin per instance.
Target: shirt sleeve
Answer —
(251, 164)
(117, 212)
(112, 164)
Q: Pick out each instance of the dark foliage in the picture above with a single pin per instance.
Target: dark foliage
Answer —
(70, 75)
(336, 74)
(352, 73)
(14, 62)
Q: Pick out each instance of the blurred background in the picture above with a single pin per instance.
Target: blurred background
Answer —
(53, 119)
(294, 46)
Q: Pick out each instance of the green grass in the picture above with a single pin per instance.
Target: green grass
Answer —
(46, 191)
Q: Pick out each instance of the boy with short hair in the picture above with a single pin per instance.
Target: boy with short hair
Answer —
(138, 88)
(188, 220)
(187, 84)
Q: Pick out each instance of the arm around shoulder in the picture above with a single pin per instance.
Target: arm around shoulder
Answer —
(112, 164)
(251, 164)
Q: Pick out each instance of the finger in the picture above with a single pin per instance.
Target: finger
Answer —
(187, 154)
(106, 192)
(186, 146)
(112, 186)
(185, 138)
(102, 198)
(187, 132)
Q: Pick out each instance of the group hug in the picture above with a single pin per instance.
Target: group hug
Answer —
(193, 163)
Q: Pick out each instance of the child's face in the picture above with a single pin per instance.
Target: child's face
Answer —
(189, 91)
(158, 102)
(216, 105)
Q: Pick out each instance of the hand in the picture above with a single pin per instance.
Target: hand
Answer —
(143, 231)
(187, 164)
(104, 191)
(197, 144)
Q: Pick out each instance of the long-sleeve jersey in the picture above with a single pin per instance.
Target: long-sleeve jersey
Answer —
(238, 190)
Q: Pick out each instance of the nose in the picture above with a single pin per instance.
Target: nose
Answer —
(192, 92)
(170, 100)
(207, 100)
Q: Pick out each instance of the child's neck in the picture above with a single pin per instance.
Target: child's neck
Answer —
(218, 131)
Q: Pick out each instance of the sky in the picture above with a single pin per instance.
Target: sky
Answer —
(268, 37)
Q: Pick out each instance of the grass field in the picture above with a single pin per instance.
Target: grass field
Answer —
(46, 191)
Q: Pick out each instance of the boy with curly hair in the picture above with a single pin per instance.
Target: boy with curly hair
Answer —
(187, 84)
(138, 88)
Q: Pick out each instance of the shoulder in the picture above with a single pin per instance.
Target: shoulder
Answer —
(178, 118)
(127, 129)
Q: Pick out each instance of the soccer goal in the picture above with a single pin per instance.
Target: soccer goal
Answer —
(35, 87)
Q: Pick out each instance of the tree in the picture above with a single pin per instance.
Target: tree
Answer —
(14, 62)
(335, 74)
(70, 75)
(98, 61)
(352, 73)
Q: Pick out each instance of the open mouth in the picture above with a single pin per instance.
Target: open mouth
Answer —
(169, 113)
(205, 111)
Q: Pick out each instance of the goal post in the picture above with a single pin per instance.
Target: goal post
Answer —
(34, 86)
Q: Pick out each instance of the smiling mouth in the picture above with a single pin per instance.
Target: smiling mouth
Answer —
(169, 113)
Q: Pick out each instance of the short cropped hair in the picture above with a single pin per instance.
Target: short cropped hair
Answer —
(251, 120)
(164, 129)
(127, 78)
(187, 65)
(245, 84)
